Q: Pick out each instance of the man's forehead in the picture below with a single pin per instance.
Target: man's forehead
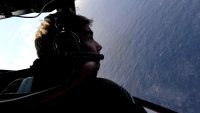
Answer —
(87, 28)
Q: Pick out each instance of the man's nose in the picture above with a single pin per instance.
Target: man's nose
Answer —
(98, 46)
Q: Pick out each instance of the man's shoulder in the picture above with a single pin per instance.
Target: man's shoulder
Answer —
(110, 84)
(108, 87)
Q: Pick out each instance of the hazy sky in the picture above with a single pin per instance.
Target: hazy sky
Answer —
(17, 42)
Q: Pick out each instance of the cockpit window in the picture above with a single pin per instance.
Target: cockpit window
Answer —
(17, 41)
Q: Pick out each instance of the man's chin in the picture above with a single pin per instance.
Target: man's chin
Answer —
(98, 65)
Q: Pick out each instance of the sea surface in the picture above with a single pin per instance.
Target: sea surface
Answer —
(151, 48)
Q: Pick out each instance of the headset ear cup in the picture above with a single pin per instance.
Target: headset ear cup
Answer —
(66, 43)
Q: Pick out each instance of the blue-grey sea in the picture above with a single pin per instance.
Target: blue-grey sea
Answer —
(151, 48)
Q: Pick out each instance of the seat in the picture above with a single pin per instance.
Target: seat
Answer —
(26, 85)
(7, 77)
(100, 96)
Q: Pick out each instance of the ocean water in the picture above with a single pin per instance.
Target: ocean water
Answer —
(151, 48)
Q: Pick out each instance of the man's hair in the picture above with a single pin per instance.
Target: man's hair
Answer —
(51, 26)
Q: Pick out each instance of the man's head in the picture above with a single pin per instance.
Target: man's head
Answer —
(54, 24)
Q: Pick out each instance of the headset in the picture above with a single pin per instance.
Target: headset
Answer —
(67, 43)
